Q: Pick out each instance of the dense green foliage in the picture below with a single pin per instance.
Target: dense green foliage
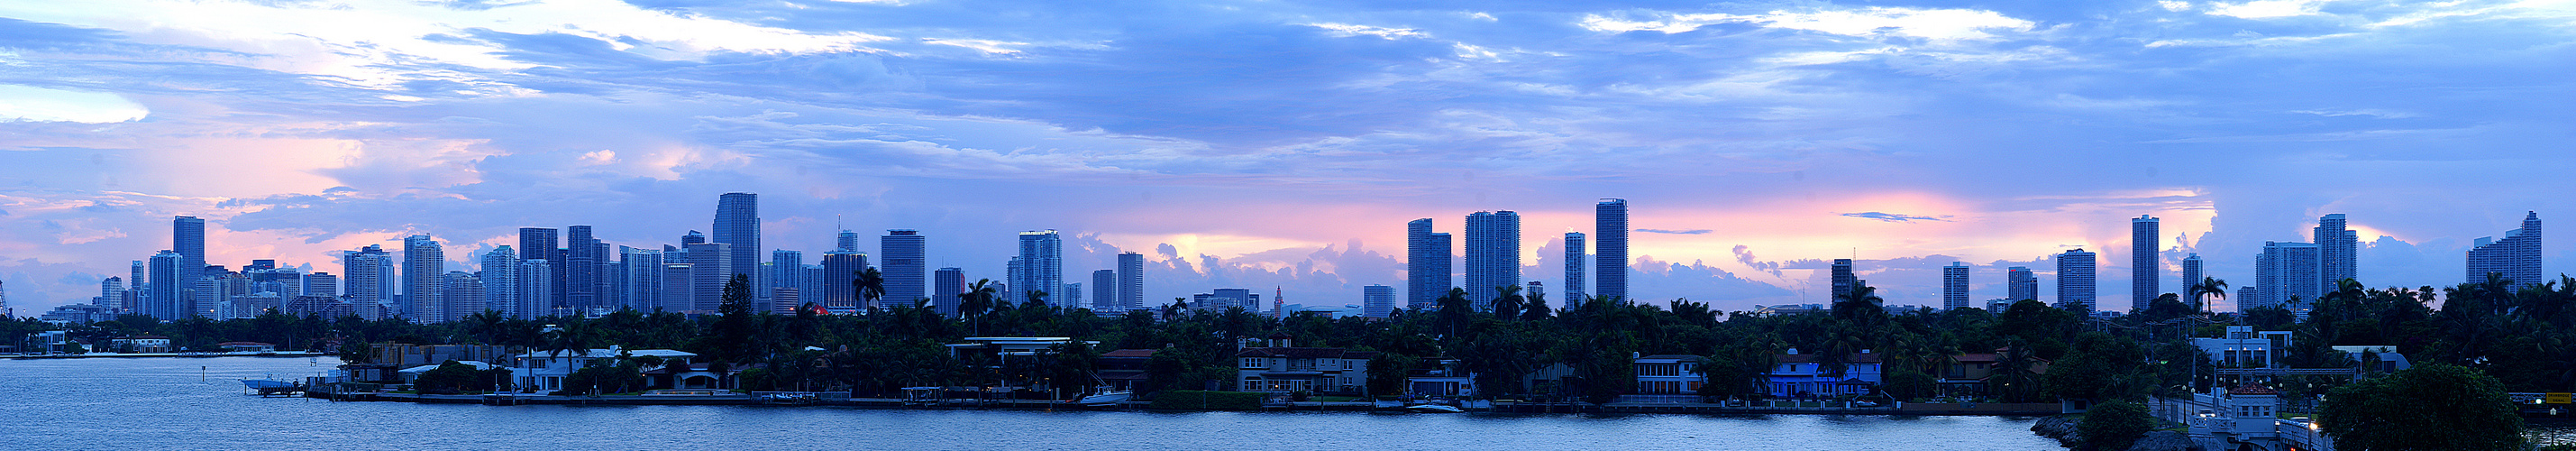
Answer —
(2113, 425)
(456, 377)
(2429, 407)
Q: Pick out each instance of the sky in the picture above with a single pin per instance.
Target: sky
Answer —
(1283, 145)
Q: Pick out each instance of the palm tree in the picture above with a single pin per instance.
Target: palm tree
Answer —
(1507, 301)
(2206, 288)
(1037, 297)
(978, 298)
(871, 284)
(1536, 308)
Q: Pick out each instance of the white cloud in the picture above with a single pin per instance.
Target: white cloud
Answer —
(29, 103)
(982, 45)
(2267, 9)
(1940, 25)
(1349, 30)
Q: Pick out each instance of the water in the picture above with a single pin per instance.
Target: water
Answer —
(161, 403)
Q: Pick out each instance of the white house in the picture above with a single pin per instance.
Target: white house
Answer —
(1801, 375)
(2244, 347)
(1669, 374)
(545, 372)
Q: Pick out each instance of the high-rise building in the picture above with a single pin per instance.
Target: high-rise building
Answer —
(1610, 248)
(2191, 276)
(840, 282)
(2288, 270)
(1493, 255)
(463, 292)
(1131, 281)
(680, 284)
(1377, 301)
(738, 225)
(2075, 289)
(1104, 297)
(1954, 286)
(367, 276)
(2146, 265)
(643, 287)
(947, 286)
(849, 241)
(1574, 257)
(2020, 284)
(539, 243)
(1013, 274)
(165, 289)
(905, 262)
(2337, 247)
(2517, 256)
(693, 237)
(2245, 297)
(110, 291)
(500, 277)
(1426, 264)
(1042, 266)
(322, 284)
(1844, 279)
(424, 276)
(711, 267)
(580, 268)
(188, 238)
(786, 269)
(1071, 297)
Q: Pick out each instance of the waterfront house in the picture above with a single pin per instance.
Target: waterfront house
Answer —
(1125, 369)
(143, 344)
(398, 355)
(2244, 347)
(1669, 374)
(1443, 378)
(1007, 346)
(1798, 375)
(1970, 375)
(412, 374)
(50, 342)
(1280, 366)
(246, 346)
(687, 375)
(545, 371)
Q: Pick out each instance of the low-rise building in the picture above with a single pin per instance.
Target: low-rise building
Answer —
(2244, 347)
(545, 371)
(246, 346)
(1798, 375)
(398, 355)
(1280, 366)
(142, 344)
(1669, 374)
(1125, 369)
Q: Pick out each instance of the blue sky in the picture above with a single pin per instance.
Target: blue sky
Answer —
(1259, 144)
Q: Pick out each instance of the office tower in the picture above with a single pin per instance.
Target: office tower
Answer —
(1131, 281)
(1526, 297)
(2075, 281)
(500, 278)
(1574, 267)
(188, 238)
(679, 287)
(2517, 256)
(813, 290)
(849, 241)
(711, 267)
(1104, 297)
(1610, 248)
(2146, 268)
(947, 286)
(643, 277)
(367, 276)
(2245, 297)
(322, 284)
(538, 243)
(2191, 276)
(613, 283)
(1426, 265)
(2336, 250)
(786, 269)
(693, 237)
(1493, 255)
(2287, 270)
(840, 281)
(136, 294)
(463, 294)
(580, 268)
(1071, 297)
(1012, 275)
(424, 271)
(1954, 286)
(1041, 266)
(1843, 279)
(164, 291)
(2020, 284)
(1234, 297)
(110, 291)
(738, 224)
(1378, 301)
(904, 258)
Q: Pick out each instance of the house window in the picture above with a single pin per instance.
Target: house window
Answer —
(1253, 362)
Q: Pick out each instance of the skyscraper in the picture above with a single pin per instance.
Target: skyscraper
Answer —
(2020, 284)
(1493, 255)
(424, 274)
(840, 282)
(463, 293)
(849, 241)
(1104, 294)
(679, 283)
(188, 238)
(905, 262)
(1610, 248)
(1954, 286)
(500, 279)
(2337, 246)
(539, 243)
(1574, 267)
(367, 276)
(738, 225)
(947, 285)
(322, 284)
(2075, 281)
(2517, 256)
(2285, 270)
(1843, 279)
(580, 268)
(643, 277)
(786, 269)
(1042, 266)
(1426, 264)
(2191, 276)
(1131, 281)
(110, 291)
(2146, 268)
(710, 268)
(1071, 297)
(164, 296)
(1378, 301)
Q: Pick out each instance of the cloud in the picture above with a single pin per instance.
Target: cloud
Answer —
(1897, 217)
(1677, 232)
(29, 103)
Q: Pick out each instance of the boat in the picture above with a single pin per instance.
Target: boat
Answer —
(271, 387)
(1433, 408)
(1104, 399)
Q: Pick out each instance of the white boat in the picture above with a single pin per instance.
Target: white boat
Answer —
(1433, 408)
(1105, 399)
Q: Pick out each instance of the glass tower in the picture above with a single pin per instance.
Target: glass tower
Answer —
(903, 255)
(1610, 248)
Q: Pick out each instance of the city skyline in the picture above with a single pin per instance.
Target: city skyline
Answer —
(1281, 140)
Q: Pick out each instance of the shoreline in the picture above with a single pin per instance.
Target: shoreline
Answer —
(111, 355)
(1938, 409)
